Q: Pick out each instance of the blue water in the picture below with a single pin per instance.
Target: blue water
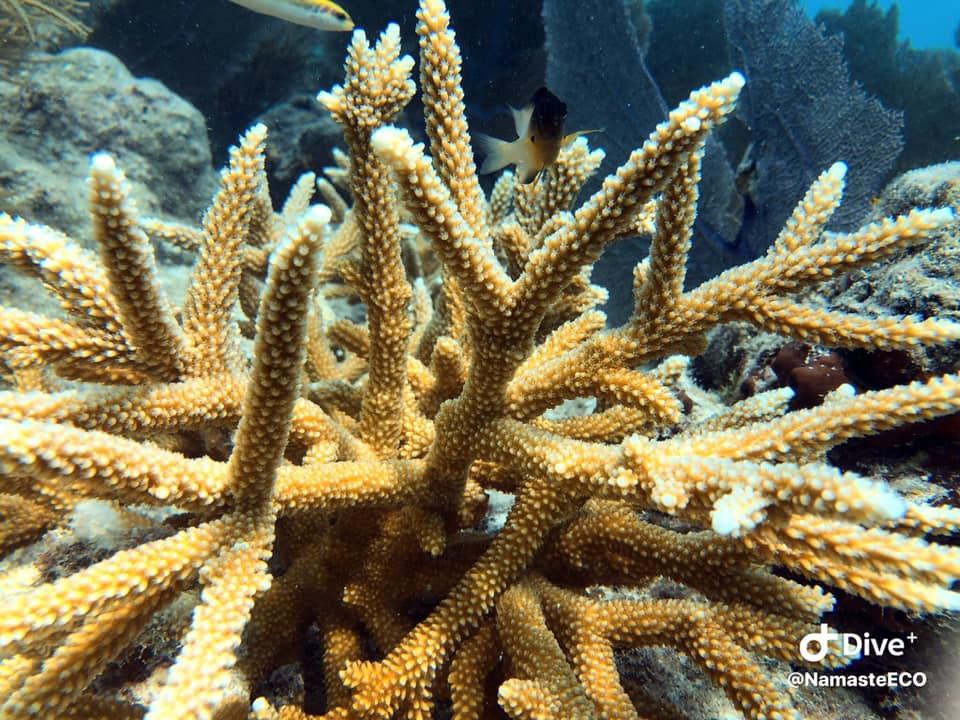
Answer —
(926, 23)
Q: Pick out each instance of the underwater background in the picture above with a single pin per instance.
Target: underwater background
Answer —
(925, 23)
(887, 93)
(166, 87)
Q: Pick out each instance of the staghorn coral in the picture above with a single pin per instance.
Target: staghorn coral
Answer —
(331, 478)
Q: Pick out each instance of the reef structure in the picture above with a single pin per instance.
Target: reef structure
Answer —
(330, 479)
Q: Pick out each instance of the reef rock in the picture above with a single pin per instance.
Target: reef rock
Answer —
(921, 281)
(61, 110)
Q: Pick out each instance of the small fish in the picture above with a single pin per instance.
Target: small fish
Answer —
(320, 14)
(540, 136)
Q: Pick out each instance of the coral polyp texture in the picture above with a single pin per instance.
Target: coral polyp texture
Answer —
(318, 498)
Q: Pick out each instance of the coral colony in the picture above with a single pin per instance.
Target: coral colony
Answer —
(331, 478)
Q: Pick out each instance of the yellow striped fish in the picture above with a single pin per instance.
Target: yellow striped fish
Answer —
(321, 14)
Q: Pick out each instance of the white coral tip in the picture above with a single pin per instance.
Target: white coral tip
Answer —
(386, 138)
(891, 506)
(260, 708)
(736, 80)
(724, 521)
(943, 599)
(102, 164)
(841, 392)
(691, 125)
(317, 217)
(738, 511)
(940, 216)
(837, 171)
